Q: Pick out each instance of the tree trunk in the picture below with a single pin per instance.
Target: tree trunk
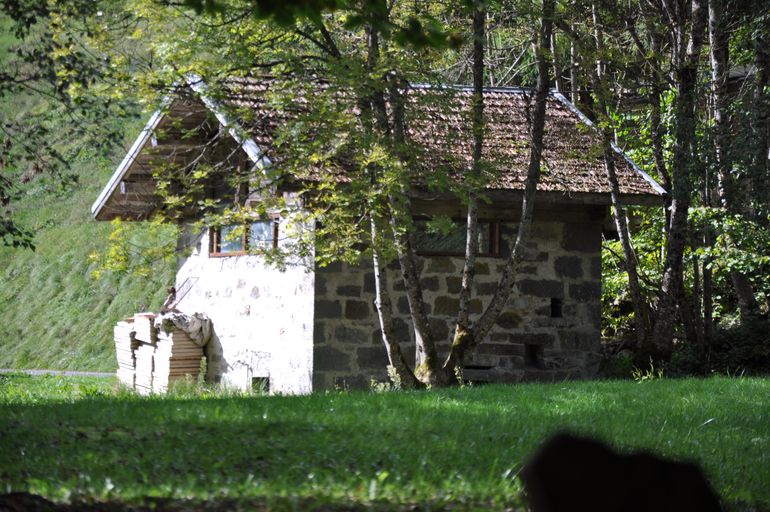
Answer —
(384, 306)
(618, 212)
(426, 357)
(760, 116)
(479, 330)
(462, 330)
(685, 70)
(427, 365)
(720, 63)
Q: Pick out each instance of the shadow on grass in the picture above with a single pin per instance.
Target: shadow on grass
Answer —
(457, 449)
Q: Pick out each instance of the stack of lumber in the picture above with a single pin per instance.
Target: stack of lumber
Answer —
(151, 359)
(125, 345)
(145, 359)
(176, 356)
(147, 336)
(145, 328)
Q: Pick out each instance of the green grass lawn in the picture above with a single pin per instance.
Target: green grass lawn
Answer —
(78, 439)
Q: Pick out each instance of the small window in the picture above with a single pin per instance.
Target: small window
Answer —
(452, 243)
(237, 240)
(556, 308)
(533, 356)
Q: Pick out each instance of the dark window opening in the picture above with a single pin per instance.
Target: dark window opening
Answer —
(452, 242)
(556, 308)
(533, 355)
(260, 385)
(236, 240)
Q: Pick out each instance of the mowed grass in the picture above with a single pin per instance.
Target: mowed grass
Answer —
(78, 439)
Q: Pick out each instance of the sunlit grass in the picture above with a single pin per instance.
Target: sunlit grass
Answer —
(66, 438)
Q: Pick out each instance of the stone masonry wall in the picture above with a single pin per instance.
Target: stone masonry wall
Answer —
(560, 273)
(262, 317)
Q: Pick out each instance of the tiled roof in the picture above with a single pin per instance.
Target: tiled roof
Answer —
(439, 125)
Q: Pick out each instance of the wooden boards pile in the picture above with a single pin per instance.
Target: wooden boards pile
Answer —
(125, 345)
(150, 360)
(176, 356)
(145, 352)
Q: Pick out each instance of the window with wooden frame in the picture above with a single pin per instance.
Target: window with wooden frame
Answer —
(235, 240)
(452, 242)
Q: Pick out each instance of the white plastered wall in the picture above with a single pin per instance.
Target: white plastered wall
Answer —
(262, 316)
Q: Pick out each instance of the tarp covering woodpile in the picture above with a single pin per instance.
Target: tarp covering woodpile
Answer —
(154, 351)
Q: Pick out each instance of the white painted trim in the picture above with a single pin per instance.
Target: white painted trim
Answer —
(254, 152)
(567, 103)
(144, 136)
(196, 83)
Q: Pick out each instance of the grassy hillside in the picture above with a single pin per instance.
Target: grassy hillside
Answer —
(54, 314)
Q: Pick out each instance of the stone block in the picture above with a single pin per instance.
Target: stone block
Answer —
(579, 340)
(356, 309)
(372, 358)
(429, 283)
(327, 308)
(369, 282)
(534, 256)
(349, 291)
(585, 292)
(398, 285)
(346, 382)
(568, 266)
(320, 380)
(320, 284)
(546, 231)
(402, 305)
(334, 267)
(509, 319)
(401, 330)
(478, 359)
(454, 284)
(487, 288)
(582, 237)
(330, 359)
(541, 288)
(319, 333)
(532, 338)
(446, 306)
(439, 328)
(596, 267)
(498, 336)
(441, 265)
(482, 268)
(354, 335)
(593, 314)
(501, 349)
(475, 306)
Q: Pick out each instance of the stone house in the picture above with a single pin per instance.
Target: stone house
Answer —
(306, 327)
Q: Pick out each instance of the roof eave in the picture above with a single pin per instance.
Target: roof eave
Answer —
(125, 164)
(196, 83)
(567, 103)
